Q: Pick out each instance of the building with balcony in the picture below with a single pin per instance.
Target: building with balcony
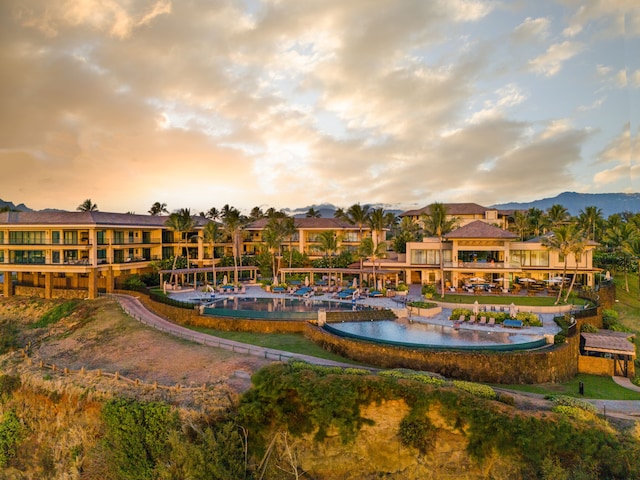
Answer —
(466, 213)
(83, 250)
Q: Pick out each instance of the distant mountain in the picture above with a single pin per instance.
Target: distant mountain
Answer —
(21, 207)
(609, 203)
(327, 210)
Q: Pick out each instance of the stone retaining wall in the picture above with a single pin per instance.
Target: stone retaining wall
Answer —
(26, 291)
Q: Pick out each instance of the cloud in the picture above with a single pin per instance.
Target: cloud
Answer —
(532, 29)
(550, 62)
(614, 17)
(618, 155)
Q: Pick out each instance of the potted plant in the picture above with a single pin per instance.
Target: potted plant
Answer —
(402, 289)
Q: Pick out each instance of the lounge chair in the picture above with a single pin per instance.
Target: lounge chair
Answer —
(492, 321)
(483, 320)
(462, 318)
(472, 319)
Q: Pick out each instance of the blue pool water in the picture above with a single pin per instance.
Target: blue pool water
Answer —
(436, 336)
(279, 304)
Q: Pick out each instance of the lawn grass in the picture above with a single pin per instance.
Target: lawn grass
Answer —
(288, 342)
(595, 387)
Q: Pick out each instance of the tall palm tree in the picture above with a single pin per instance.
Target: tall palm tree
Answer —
(407, 231)
(313, 213)
(377, 221)
(212, 214)
(520, 223)
(87, 206)
(329, 242)
(212, 235)
(256, 214)
(273, 236)
(181, 222)
(590, 220)
(158, 208)
(557, 215)
(370, 250)
(437, 223)
(357, 215)
(537, 220)
(577, 248)
(233, 223)
(561, 240)
(289, 228)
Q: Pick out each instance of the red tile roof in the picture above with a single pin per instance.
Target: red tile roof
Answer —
(480, 229)
(310, 223)
(86, 218)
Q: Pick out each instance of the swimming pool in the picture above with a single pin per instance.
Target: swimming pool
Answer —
(276, 308)
(431, 336)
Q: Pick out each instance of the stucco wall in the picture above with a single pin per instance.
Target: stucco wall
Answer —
(595, 365)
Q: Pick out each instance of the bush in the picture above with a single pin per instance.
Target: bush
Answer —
(506, 399)
(609, 317)
(429, 290)
(588, 328)
(563, 400)
(133, 282)
(456, 312)
(559, 339)
(477, 389)
(11, 431)
(418, 432)
(423, 377)
(8, 385)
(8, 337)
(422, 304)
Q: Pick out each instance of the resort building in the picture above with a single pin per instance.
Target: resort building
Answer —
(466, 213)
(480, 254)
(85, 251)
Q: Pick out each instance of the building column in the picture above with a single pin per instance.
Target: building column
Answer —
(48, 285)
(110, 284)
(93, 285)
(8, 285)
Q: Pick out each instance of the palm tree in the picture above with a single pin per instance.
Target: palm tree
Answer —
(87, 206)
(212, 214)
(212, 235)
(158, 208)
(557, 215)
(313, 213)
(377, 221)
(234, 223)
(520, 223)
(370, 250)
(537, 220)
(577, 248)
(437, 223)
(589, 220)
(356, 215)
(562, 240)
(182, 223)
(289, 229)
(256, 214)
(329, 242)
(407, 231)
(273, 236)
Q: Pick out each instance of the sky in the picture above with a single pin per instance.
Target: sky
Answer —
(291, 103)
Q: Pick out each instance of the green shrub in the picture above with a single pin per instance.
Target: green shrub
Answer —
(11, 432)
(609, 317)
(429, 290)
(417, 432)
(456, 312)
(477, 389)
(506, 399)
(137, 436)
(423, 377)
(574, 412)
(559, 339)
(133, 282)
(588, 328)
(422, 304)
(529, 318)
(56, 314)
(564, 400)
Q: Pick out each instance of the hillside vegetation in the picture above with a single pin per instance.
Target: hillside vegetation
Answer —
(191, 413)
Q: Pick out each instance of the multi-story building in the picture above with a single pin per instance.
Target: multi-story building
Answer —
(466, 213)
(84, 250)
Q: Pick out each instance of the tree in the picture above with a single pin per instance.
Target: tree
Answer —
(632, 248)
(158, 208)
(537, 220)
(87, 206)
(356, 215)
(562, 240)
(212, 214)
(437, 223)
(273, 236)
(408, 231)
(520, 223)
(313, 213)
(256, 214)
(617, 237)
(377, 221)
(289, 229)
(590, 219)
(370, 250)
(329, 242)
(181, 222)
(577, 248)
(557, 215)
(234, 224)
(212, 235)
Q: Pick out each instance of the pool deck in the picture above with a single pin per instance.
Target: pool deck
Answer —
(549, 326)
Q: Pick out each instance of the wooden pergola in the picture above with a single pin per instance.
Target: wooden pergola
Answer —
(185, 272)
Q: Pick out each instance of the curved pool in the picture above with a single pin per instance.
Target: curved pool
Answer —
(432, 336)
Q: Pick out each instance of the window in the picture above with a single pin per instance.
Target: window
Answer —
(55, 257)
(530, 258)
(1, 237)
(70, 237)
(55, 237)
(27, 256)
(27, 238)
(118, 238)
(146, 237)
(101, 237)
(425, 257)
(70, 256)
(167, 253)
(167, 236)
(102, 255)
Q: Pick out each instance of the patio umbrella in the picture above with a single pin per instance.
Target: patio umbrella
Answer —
(306, 281)
(526, 280)
(512, 310)
(224, 280)
(607, 276)
(477, 279)
(499, 279)
(476, 308)
(379, 284)
(355, 282)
